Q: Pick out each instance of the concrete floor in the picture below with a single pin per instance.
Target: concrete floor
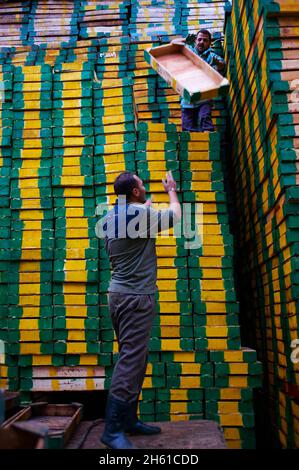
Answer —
(201, 434)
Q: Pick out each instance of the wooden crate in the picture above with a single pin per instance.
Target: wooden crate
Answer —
(193, 78)
(24, 435)
(60, 420)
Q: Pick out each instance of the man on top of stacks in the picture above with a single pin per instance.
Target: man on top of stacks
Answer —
(197, 117)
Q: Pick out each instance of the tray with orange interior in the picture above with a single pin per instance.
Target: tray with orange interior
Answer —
(193, 78)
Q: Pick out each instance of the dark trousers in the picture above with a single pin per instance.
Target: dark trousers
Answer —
(198, 119)
(132, 317)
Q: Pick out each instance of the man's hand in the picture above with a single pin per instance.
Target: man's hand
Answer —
(178, 41)
(170, 188)
(220, 65)
(170, 183)
(148, 202)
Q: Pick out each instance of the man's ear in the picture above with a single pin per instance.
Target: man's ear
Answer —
(135, 192)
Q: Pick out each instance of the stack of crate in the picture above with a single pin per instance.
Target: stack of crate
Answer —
(52, 53)
(230, 401)
(144, 92)
(32, 228)
(151, 25)
(39, 54)
(169, 376)
(103, 19)
(81, 51)
(168, 103)
(144, 82)
(6, 115)
(154, 100)
(156, 153)
(48, 53)
(6, 119)
(14, 19)
(261, 46)
(150, 20)
(112, 58)
(208, 15)
(211, 283)
(209, 263)
(75, 295)
(17, 55)
(53, 21)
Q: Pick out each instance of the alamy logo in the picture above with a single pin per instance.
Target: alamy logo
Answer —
(295, 353)
(295, 93)
(108, 54)
(2, 352)
(141, 221)
(2, 92)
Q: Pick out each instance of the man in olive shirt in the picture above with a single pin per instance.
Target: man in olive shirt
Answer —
(130, 230)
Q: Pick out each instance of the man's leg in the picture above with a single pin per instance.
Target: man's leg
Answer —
(132, 317)
(117, 409)
(133, 367)
(189, 119)
(204, 117)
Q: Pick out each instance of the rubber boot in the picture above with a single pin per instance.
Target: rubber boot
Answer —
(117, 412)
(135, 426)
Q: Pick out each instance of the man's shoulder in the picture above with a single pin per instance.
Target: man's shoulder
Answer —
(192, 48)
(126, 209)
(215, 56)
(137, 207)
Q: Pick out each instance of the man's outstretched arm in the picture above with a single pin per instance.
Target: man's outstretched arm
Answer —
(170, 188)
